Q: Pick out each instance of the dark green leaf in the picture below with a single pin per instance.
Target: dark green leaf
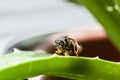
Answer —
(107, 13)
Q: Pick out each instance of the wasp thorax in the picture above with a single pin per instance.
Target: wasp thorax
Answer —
(67, 46)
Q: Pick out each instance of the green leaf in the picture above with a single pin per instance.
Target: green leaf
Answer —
(107, 13)
(23, 64)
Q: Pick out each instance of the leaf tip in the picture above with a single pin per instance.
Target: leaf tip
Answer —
(16, 50)
(54, 55)
(97, 57)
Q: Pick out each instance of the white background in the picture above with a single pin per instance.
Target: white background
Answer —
(18, 16)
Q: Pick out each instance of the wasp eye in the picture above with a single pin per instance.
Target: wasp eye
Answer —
(59, 42)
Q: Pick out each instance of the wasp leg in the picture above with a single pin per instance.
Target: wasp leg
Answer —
(58, 52)
(66, 53)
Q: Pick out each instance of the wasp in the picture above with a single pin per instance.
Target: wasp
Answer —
(67, 46)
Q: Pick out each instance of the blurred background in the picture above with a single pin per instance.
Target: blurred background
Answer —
(23, 16)
(20, 18)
